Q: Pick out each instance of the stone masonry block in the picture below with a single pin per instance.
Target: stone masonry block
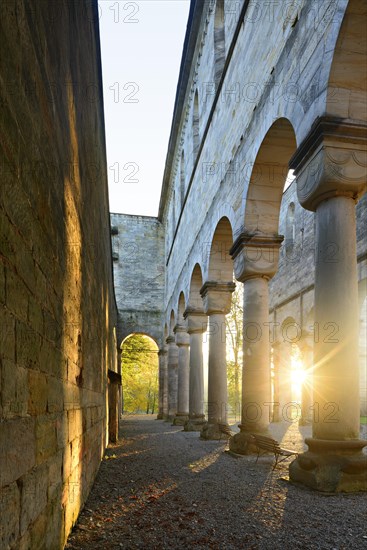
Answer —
(38, 392)
(14, 395)
(9, 514)
(17, 449)
(46, 437)
(33, 495)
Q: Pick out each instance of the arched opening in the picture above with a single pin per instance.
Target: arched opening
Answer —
(172, 323)
(346, 93)
(234, 343)
(195, 126)
(195, 300)
(217, 290)
(181, 309)
(268, 178)
(182, 178)
(290, 228)
(289, 373)
(219, 41)
(220, 261)
(139, 368)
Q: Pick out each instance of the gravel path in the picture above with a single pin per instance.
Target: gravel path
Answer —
(163, 488)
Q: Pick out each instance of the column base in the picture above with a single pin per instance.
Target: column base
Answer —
(159, 416)
(240, 443)
(169, 418)
(332, 466)
(215, 431)
(195, 424)
(180, 419)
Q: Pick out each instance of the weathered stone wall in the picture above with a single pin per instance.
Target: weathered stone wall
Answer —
(139, 274)
(285, 76)
(57, 338)
(290, 76)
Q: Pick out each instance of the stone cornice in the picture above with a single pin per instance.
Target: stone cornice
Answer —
(217, 297)
(255, 255)
(197, 320)
(331, 162)
(323, 128)
(216, 287)
(254, 240)
(192, 311)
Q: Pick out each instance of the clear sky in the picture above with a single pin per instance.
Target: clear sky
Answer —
(141, 45)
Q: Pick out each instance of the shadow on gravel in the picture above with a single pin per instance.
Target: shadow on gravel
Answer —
(162, 488)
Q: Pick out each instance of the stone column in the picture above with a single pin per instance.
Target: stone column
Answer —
(217, 304)
(197, 324)
(161, 376)
(182, 342)
(330, 166)
(172, 377)
(255, 262)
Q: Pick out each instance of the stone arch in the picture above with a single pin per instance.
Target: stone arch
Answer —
(181, 309)
(139, 323)
(346, 91)
(268, 175)
(219, 41)
(195, 299)
(290, 330)
(141, 334)
(195, 125)
(220, 263)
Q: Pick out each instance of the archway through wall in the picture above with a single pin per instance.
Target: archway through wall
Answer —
(139, 368)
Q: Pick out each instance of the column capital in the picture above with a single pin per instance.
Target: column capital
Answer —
(196, 319)
(162, 352)
(217, 297)
(331, 161)
(170, 340)
(182, 337)
(255, 254)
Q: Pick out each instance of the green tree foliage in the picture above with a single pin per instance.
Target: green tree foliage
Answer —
(139, 374)
(234, 325)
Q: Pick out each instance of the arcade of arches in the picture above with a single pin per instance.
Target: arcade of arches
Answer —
(232, 213)
(76, 281)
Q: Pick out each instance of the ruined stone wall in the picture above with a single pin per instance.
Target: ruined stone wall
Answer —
(285, 76)
(57, 311)
(139, 274)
